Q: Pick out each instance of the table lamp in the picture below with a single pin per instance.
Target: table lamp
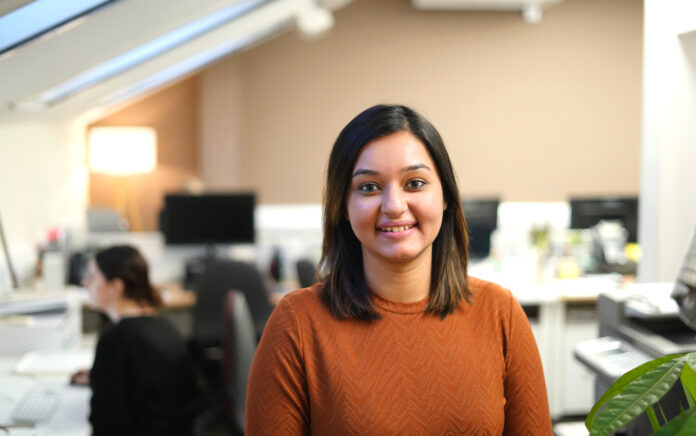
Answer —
(123, 152)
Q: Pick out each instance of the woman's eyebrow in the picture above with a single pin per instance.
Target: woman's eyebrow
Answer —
(415, 167)
(365, 171)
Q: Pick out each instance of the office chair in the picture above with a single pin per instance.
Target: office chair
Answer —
(211, 289)
(239, 345)
(306, 272)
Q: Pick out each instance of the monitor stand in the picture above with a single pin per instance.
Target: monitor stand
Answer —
(196, 267)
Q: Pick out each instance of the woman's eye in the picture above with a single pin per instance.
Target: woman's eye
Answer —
(368, 187)
(415, 184)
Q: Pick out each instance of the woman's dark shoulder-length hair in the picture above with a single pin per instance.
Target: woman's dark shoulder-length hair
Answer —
(345, 291)
(125, 262)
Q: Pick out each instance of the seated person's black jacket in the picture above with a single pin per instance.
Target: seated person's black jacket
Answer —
(142, 380)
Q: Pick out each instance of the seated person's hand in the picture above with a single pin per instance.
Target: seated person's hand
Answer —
(80, 378)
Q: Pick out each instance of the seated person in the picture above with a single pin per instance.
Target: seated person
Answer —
(142, 378)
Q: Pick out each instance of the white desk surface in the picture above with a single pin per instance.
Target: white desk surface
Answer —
(71, 417)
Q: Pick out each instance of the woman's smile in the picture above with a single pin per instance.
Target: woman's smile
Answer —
(396, 231)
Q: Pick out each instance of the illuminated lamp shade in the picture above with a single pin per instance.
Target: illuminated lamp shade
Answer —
(122, 150)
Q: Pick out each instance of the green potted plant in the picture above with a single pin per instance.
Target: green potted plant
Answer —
(640, 389)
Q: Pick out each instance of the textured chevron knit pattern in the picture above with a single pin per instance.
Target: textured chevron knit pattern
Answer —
(477, 372)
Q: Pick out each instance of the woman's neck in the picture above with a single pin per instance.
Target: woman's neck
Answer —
(404, 282)
(127, 308)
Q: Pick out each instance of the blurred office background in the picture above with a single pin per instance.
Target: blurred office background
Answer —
(539, 103)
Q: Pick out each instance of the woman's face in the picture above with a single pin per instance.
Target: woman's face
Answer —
(101, 292)
(395, 201)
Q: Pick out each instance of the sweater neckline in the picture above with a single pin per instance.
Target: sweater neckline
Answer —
(398, 306)
(137, 317)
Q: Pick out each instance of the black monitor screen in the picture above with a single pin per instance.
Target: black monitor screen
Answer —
(208, 218)
(481, 219)
(586, 212)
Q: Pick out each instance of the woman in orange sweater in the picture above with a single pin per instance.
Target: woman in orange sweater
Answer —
(396, 339)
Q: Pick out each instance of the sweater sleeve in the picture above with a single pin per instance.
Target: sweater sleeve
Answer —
(108, 379)
(527, 405)
(277, 401)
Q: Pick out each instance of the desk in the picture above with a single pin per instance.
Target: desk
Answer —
(175, 297)
(177, 309)
(71, 417)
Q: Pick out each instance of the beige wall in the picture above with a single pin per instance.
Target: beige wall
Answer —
(220, 127)
(173, 113)
(528, 111)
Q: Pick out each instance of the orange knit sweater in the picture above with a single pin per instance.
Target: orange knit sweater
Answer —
(477, 372)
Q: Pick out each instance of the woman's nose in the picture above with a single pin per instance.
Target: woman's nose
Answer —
(393, 202)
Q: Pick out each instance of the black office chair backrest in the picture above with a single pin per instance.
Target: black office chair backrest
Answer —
(306, 272)
(220, 277)
(239, 345)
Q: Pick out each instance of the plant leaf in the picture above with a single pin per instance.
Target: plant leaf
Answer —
(640, 393)
(623, 381)
(653, 419)
(689, 427)
(681, 425)
(691, 359)
(689, 399)
(688, 379)
(662, 412)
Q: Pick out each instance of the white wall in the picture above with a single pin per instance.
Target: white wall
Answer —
(43, 183)
(668, 167)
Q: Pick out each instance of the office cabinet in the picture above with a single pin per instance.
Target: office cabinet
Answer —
(578, 382)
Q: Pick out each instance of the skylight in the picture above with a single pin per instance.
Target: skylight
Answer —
(39, 17)
(140, 54)
(191, 64)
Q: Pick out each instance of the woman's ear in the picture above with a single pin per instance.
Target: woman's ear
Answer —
(118, 287)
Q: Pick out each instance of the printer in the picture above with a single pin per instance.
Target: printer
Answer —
(641, 322)
(32, 320)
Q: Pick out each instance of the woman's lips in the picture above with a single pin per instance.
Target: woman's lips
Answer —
(395, 229)
(395, 232)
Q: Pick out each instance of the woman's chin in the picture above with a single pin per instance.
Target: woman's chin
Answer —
(402, 257)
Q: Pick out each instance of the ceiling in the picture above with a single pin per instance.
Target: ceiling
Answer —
(102, 54)
(124, 49)
(8, 6)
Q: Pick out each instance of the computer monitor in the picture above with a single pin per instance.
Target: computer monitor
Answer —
(585, 212)
(481, 218)
(220, 218)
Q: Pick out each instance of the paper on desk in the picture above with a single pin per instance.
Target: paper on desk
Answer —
(54, 362)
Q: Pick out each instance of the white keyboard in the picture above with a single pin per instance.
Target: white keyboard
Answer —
(36, 405)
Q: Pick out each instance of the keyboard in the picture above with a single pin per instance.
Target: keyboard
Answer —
(36, 405)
